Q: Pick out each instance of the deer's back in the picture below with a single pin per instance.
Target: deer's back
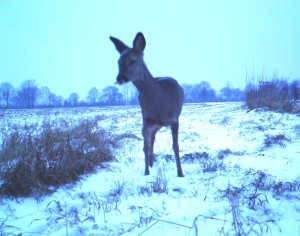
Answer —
(166, 101)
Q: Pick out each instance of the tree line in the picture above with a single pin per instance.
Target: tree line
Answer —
(29, 95)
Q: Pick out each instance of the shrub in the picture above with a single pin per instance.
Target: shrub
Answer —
(272, 95)
(279, 139)
(223, 153)
(207, 163)
(275, 95)
(35, 161)
(194, 157)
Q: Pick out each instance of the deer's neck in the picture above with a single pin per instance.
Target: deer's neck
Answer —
(146, 84)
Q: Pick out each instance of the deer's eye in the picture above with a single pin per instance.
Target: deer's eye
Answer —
(132, 62)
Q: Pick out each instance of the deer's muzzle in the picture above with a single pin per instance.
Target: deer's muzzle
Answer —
(121, 79)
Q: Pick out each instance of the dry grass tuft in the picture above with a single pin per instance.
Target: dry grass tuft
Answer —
(43, 158)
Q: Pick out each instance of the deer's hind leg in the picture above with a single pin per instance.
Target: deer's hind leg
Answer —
(174, 128)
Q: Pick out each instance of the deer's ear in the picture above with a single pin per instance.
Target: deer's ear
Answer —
(139, 43)
(120, 46)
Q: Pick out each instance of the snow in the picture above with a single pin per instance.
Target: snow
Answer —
(120, 200)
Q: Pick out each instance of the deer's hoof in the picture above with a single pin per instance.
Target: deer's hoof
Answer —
(180, 174)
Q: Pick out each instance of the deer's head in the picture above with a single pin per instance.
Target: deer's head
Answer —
(131, 63)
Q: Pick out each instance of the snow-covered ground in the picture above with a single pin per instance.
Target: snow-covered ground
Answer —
(242, 177)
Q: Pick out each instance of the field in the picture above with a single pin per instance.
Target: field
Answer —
(241, 167)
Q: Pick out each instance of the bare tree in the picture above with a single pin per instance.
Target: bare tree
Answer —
(72, 100)
(6, 93)
(204, 90)
(111, 96)
(93, 96)
(188, 96)
(295, 90)
(129, 93)
(201, 92)
(55, 101)
(27, 94)
(44, 96)
(226, 94)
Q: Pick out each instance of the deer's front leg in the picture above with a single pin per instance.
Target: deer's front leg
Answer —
(147, 143)
(153, 130)
(149, 131)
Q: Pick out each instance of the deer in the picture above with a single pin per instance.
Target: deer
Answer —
(160, 98)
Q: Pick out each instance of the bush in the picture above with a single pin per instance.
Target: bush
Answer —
(195, 157)
(37, 161)
(274, 94)
(279, 139)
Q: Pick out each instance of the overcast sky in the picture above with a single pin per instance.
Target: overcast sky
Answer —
(64, 44)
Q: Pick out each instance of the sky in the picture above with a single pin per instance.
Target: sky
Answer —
(64, 44)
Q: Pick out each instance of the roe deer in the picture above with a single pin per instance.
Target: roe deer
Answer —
(160, 98)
